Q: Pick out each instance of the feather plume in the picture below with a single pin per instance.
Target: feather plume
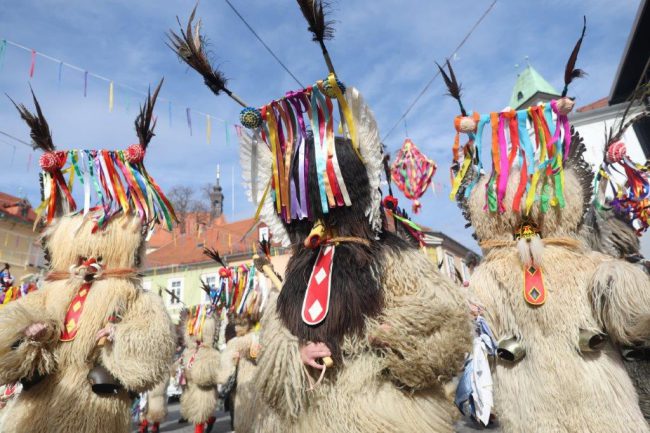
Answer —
(205, 287)
(143, 123)
(315, 12)
(189, 45)
(214, 255)
(40, 130)
(265, 248)
(453, 87)
(174, 297)
(570, 72)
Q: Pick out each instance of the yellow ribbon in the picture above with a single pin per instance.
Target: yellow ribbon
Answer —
(347, 114)
(273, 136)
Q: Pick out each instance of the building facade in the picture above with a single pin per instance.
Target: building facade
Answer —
(20, 247)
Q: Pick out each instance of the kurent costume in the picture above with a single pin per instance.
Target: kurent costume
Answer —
(200, 364)
(153, 408)
(390, 330)
(548, 299)
(251, 293)
(619, 214)
(91, 337)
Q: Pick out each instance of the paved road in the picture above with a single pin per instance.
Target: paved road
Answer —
(172, 425)
(223, 424)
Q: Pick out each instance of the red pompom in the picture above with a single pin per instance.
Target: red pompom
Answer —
(390, 202)
(52, 161)
(616, 152)
(134, 154)
(225, 273)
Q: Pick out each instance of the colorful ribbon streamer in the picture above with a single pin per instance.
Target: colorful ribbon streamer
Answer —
(541, 174)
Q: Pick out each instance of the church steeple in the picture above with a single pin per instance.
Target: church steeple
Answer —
(216, 197)
(530, 89)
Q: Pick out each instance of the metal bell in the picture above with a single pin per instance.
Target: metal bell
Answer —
(510, 349)
(591, 341)
(102, 381)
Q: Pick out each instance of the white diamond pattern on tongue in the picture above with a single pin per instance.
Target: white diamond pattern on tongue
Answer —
(320, 275)
(315, 309)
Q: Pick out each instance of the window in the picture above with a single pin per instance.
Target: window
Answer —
(466, 273)
(175, 286)
(146, 285)
(264, 234)
(451, 266)
(211, 281)
(520, 96)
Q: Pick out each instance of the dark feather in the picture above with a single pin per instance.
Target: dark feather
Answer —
(570, 72)
(189, 45)
(315, 12)
(205, 287)
(265, 248)
(214, 255)
(143, 123)
(173, 296)
(453, 88)
(575, 160)
(40, 130)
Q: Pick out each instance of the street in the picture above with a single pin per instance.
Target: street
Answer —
(171, 423)
(223, 423)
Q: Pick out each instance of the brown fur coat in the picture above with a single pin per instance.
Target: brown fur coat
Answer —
(555, 387)
(394, 388)
(139, 356)
(199, 399)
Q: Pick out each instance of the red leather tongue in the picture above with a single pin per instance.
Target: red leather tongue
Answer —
(317, 297)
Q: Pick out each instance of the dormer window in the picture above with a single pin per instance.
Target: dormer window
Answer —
(520, 96)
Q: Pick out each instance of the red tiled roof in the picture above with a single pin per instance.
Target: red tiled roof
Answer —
(17, 207)
(602, 102)
(194, 222)
(188, 248)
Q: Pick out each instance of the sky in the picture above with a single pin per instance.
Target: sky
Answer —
(386, 48)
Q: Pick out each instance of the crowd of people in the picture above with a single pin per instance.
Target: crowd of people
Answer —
(362, 333)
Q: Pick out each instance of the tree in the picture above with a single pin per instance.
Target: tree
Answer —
(181, 198)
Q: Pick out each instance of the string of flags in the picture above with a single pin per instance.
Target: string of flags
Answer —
(112, 87)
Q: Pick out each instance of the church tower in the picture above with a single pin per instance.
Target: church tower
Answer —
(530, 89)
(216, 197)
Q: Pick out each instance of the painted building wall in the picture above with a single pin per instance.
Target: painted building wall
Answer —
(19, 247)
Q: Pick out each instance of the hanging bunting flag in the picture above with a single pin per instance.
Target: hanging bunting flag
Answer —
(225, 125)
(29, 161)
(60, 73)
(110, 97)
(208, 128)
(3, 49)
(33, 65)
(238, 130)
(189, 119)
(85, 83)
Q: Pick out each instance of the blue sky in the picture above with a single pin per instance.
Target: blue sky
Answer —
(386, 48)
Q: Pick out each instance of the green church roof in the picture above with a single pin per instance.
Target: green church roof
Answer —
(529, 82)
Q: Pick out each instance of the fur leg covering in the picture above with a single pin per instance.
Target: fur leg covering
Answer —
(157, 403)
(145, 329)
(621, 299)
(21, 357)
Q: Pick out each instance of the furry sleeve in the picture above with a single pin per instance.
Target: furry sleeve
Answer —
(424, 331)
(205, 368)
(229, 358)
(143, 344)
(280, 375)
(620, 294)
(20, 357)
